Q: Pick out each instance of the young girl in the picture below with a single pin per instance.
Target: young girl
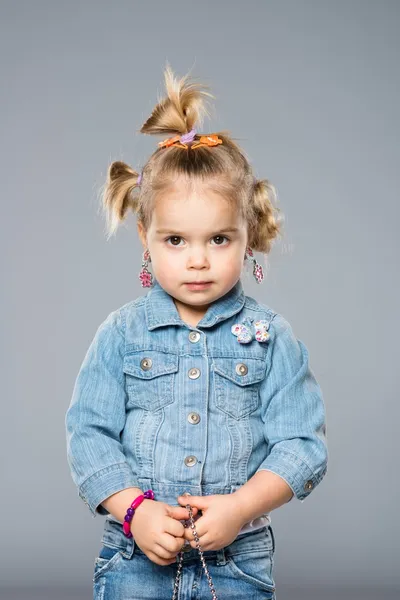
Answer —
(195, 412)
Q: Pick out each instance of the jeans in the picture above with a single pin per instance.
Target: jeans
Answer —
(243, 569)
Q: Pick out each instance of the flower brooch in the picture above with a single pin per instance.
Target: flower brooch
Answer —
(246, 331)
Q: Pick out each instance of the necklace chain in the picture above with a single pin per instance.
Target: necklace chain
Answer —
(203, 562)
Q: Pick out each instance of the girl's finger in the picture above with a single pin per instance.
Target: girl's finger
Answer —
(180, 512)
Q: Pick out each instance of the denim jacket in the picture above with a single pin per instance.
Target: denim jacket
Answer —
(161, 404)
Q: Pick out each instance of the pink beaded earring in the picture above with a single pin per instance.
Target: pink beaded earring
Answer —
(257, 268)
(146, 278)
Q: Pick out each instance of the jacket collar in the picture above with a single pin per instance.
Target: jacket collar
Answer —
(160, 308)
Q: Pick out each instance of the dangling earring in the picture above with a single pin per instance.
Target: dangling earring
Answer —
(146, 278)
(257, 268)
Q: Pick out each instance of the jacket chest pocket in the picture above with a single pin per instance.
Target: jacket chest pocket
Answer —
(150, 378)
(237, 385)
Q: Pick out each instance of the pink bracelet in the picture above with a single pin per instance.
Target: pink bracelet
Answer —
(126, 527)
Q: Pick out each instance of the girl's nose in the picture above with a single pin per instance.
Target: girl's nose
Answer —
(198, 259)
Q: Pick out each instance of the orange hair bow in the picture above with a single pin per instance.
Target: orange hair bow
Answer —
(172, 141)
(208, 140)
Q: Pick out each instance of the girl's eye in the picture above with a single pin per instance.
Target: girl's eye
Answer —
(173, 237)
(220, 237)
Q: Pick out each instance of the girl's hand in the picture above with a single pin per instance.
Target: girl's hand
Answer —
(220, 522)
(157, 530)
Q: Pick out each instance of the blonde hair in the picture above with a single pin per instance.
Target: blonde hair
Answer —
(223, 168)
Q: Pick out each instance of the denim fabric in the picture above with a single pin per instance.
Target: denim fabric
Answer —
(244, 569)
(193, 418)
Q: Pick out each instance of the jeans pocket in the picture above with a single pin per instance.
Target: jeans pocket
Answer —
(107, 559)
(255, 567)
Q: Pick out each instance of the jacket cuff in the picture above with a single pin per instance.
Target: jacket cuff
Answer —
(297, 474)
(104, 483)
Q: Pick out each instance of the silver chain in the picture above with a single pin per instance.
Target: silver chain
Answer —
(180, 564)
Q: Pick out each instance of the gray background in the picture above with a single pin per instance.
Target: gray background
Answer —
(311, 91)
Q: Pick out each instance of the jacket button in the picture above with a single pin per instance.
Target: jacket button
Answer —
(193, 418)
(308, 485)
(194, 336)
(194, 373)
(241, 369)
(146, 364)
(190, 461)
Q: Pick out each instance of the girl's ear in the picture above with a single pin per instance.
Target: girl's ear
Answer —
(142, 234)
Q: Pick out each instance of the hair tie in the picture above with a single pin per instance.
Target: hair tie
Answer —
(188, 137)
(139, 179)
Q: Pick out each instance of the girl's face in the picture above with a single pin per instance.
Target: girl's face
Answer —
(195, 237)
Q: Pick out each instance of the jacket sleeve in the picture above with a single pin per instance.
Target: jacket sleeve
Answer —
(293, 413)
(96, 417)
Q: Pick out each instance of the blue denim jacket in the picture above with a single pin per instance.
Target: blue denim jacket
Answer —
(163, 405)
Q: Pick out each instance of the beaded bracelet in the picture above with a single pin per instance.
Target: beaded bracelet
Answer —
(126, 527)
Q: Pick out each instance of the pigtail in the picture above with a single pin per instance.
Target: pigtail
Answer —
(116, 197)
(183, 107)
(265, 225)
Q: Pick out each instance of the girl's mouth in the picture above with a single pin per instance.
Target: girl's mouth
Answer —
(201, 285)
